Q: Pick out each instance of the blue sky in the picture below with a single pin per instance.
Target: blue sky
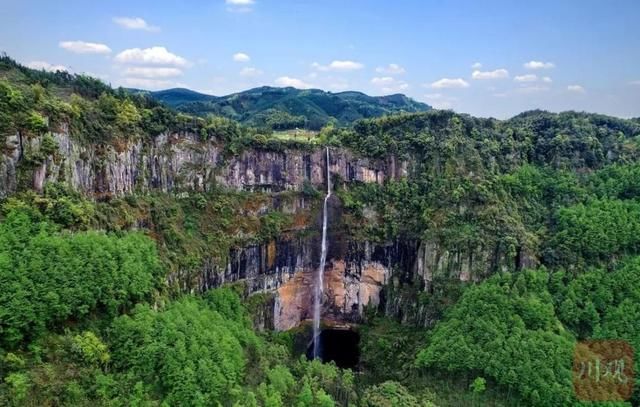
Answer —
(488, 58)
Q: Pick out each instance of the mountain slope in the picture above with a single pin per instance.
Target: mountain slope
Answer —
(179, 96)
(286, 108)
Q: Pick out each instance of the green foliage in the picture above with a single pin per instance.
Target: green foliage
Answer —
(482, 196)
(204, 351)
(288, 108)
(585, 301)
(597, 230)
(18, 387)
(327, 384)
(190, 352)
(47, 277)
(278, 120)
(565, 140)
(90, 348)
(34, 102)
(309, 191)
(391, 394)
(506, 328)
(58, 204)
(48, 145)
(388, 349)
(19, 113)
(479, 385)
(272, 224)
(601, 304)
(196, 226)
(13, 361)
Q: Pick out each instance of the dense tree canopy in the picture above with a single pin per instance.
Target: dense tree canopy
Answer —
(47, 276)
(532, 224)
(506, 329)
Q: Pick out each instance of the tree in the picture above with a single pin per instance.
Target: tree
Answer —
(47, 276)
(389, 394)
(91, 349)
(479, 385)
(506, 328)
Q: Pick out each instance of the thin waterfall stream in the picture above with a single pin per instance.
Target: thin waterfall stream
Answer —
(319, 283)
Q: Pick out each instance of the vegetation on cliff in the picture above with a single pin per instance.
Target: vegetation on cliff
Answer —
(34, 102)
(533, 224)
(554, 192)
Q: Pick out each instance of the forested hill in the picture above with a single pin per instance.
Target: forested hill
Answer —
(495, 246)
(287, 108)
(177, 97)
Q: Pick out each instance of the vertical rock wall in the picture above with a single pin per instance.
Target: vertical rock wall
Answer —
(171, 162)
(356, 272)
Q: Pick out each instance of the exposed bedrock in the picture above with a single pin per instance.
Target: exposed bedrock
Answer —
(174, 162)
(283, 269)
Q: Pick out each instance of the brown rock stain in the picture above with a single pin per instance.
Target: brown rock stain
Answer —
(271, 253)
(294, 302)
(345, 294)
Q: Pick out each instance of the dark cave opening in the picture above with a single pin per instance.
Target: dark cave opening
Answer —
(341, 346)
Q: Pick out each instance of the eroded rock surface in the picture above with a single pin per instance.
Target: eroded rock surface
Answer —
(173, 162)
(356, 272)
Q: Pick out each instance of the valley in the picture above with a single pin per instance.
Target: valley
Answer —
(149, 256)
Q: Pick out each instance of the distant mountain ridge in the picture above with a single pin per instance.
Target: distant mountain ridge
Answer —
(176, 97)
(286, 108)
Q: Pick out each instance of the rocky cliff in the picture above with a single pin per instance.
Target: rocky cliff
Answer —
(356, 271)
(171, 163)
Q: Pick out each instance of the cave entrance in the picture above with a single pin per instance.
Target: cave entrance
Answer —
(340, 346)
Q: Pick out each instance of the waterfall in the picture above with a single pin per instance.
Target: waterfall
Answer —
(317, 299)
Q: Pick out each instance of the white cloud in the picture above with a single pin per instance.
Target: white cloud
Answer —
(240, 6)
(576, 88)
(547, 79)
(440, 101)
(532, 89)
(241, 57)
(146, 72)
(135, 23)
(476, 65)
(497, 74)
(146, 83)
(526, 78)
(287, 81)
(539, 65)
(389, 85)
(634, 83)
(150, 56)
(391, 69)
(250, 72)
(82, 47)
(338, 65)
(43, 65)
(450, 83)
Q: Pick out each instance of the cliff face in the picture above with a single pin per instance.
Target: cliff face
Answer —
(172, 163)
(356, 271)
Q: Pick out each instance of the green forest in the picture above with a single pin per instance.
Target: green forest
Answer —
(288, 108)
(548, 204)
